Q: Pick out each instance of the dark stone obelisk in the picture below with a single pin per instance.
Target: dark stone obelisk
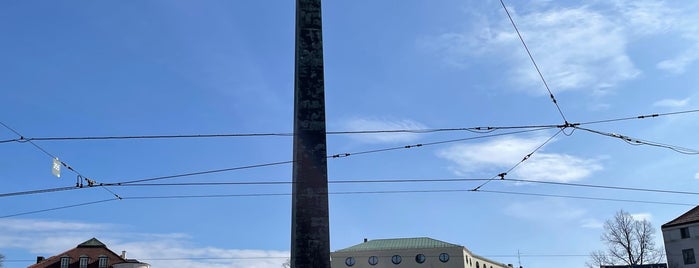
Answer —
(310, 228)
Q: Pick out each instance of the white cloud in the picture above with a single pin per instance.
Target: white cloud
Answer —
(679, 63)
(500, 154)
(576, 48)
(52, 237)
(554, 209)
(696, 176)
(671, 103)
(591, 223)
(642, 216)
(369, 124)
(581, 47)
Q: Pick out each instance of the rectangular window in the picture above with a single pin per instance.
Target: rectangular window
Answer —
(684, 232)
(103, 262)
(688, 256)
(84, 261)
(65, 261)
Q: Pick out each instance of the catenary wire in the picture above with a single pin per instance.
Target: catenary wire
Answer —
(346, 193)
(635, 141)
(638, 117)
(280, 134)
(52, 156)
(536, 66)
(342, 155)
(57, 208)
(525, 158)
(253, 166)
(587, 198)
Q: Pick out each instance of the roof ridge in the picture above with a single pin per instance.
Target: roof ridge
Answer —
(690, 216)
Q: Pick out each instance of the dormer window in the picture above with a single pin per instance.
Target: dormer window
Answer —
(65, 261)
(83, 261)
(103, 262)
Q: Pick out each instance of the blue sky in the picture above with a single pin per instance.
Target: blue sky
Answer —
(86, 68)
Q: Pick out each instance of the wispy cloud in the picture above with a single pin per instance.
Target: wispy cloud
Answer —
(642, 216)
(577, 47)
(371, 124)
(51, 237)
(500, 154)
(591, 223)
(554, 209)
(696, 175)
(671, 103)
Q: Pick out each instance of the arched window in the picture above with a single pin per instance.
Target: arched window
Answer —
(477, 265)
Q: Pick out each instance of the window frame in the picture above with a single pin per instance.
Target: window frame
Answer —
(65, 262)
(688, 256)
(83, 261)
(103, 262)
(684, 233)
(420, 258)
(396, 259)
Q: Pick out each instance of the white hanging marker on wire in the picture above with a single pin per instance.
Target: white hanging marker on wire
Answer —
(56, 169)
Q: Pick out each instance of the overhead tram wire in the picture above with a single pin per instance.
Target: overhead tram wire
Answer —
(536, 66)
(487, 129)
(638, 117)
(367, 181)
(437, 180)
(636, 142)
(347, 193)
(281, 134)
(80, 176)
(525, 158)
(341, 155)
(588, 198)
(122, 183)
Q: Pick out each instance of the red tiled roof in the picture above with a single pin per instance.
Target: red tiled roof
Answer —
(92, 248)
(690, 216)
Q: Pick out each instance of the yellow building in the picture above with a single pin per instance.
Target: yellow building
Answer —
(419, 252)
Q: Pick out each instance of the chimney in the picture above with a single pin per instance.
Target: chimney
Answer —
(366, 240)
(123, 254)
(39, 259)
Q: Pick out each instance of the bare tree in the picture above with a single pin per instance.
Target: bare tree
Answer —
(629, 242)
(286, 264)
(2, 258)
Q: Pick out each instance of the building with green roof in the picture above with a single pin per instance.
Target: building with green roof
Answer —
(417, 252)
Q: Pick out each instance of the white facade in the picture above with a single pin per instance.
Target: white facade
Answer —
(400, 256)
(681, 239)
(682, 251)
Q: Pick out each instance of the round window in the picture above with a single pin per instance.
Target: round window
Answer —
(420, 258)
(396, 259)
(444, 257)
(373, 260)
(350, 261)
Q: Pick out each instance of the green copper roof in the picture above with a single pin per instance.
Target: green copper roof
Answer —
(399, 243)
(92, 243)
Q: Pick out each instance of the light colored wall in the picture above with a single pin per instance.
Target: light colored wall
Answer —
(457, 259)
(674, 245)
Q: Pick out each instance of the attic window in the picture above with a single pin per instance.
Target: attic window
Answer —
(65, 261)
(83, 261)
(103, 262)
